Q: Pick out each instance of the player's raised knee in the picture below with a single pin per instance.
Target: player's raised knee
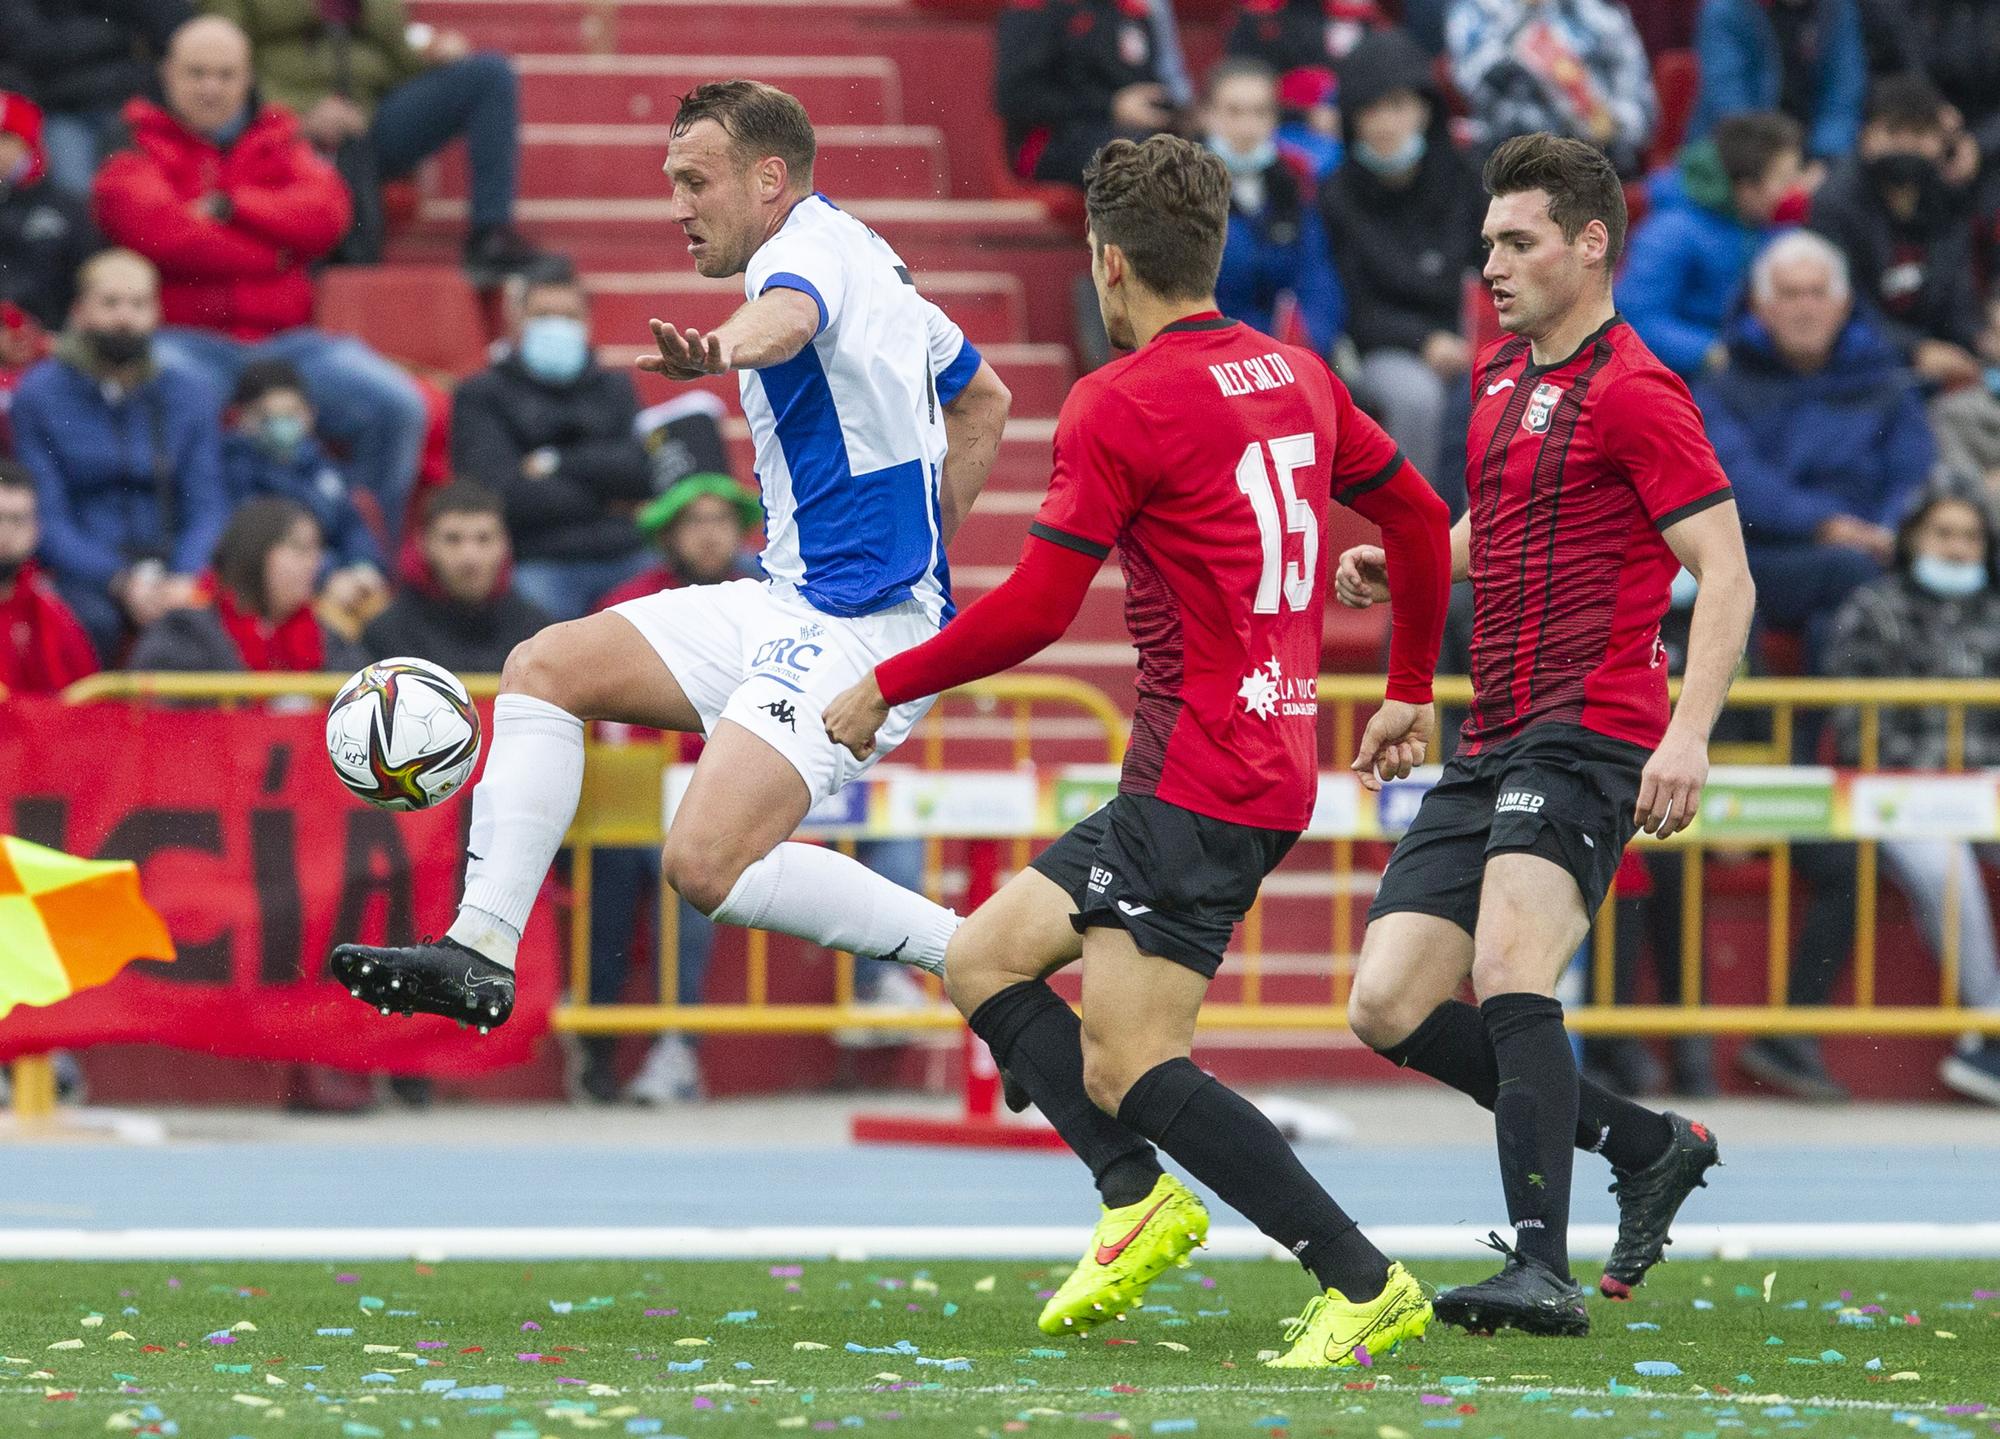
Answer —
(535, 667)
(698, 875)
(1379, 1017)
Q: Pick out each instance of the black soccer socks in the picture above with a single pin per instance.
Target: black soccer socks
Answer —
(1038, 1039)
(1225, 1141)
(1534, 1120)
(1452, 1045)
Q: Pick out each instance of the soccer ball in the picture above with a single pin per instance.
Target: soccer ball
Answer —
(403, 734)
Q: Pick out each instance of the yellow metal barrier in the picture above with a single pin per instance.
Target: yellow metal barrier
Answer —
(622, 805)
(1352, 697)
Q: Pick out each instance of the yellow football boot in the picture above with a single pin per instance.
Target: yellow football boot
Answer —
(1327, 1335)
(1129, 1249)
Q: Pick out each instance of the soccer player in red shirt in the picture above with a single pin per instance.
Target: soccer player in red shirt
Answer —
(1591, 483)
(1206, 457)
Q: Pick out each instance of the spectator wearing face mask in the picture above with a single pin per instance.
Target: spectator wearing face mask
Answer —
(125, 455)
(1907, 232)
(1302, 41)
(1936, 616)
(1275, 244)
(1402, 215)
(550, 431)
(270, 449)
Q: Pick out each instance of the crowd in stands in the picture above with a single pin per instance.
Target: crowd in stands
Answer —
(193, 474)
(1815, 192)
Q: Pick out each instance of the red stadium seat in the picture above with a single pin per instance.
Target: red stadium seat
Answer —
(1351, 641)
(425, 316)
(1676, 78)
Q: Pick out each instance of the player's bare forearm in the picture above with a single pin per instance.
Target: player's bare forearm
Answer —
(767, 331)
(1461, 548)
(973, 424)
(1710, 544)
(770, 329)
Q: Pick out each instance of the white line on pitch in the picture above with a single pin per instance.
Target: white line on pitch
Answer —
(1432, 1241)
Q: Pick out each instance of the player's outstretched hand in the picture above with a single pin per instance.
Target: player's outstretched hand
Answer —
(1362, 577)
(855, 716)
(685, 354)
(1394, 743)
(1670, 785)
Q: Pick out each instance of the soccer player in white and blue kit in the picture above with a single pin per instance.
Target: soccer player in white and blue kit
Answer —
(875, 424)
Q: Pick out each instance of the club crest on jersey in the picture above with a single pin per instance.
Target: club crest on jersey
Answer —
(1541, 404)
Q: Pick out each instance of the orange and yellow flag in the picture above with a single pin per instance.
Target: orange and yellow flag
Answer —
(67, 923)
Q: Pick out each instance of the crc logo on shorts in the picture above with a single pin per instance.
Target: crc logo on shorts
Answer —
(1267, 691)
(1541, 404)
(1100, 879)
(792, 657)
(1519, 801)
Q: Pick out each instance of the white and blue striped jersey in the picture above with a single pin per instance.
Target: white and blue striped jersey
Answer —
(850, 431)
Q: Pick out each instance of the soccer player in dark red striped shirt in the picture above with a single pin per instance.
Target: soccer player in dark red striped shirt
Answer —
(1591, 484)
(1207, 457)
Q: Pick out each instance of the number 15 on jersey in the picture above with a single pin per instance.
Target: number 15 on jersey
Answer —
(1288, 455)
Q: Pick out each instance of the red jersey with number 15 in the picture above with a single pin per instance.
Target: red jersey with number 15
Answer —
(1573, 470)
(1207, 457)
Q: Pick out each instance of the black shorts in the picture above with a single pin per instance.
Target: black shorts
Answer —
(1558, 790)
(1177, 881)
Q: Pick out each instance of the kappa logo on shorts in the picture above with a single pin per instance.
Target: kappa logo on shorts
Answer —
(1100, 878)
(783, 713)
(1519, 801)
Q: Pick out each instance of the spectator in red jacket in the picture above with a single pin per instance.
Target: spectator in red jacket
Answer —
(43, 646)
(233, 205)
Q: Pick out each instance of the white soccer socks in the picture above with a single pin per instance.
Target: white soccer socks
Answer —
(824, 896)
(521, 808)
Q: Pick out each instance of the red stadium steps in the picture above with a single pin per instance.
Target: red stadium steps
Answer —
(659, 27)
(642, 89)
(622, 161)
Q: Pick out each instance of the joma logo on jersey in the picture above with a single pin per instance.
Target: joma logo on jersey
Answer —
(1541, 404)
(1247, 377)
(1519, 801)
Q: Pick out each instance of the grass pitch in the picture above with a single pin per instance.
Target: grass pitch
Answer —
(263, 1351)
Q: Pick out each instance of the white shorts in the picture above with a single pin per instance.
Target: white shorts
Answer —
(770, 662)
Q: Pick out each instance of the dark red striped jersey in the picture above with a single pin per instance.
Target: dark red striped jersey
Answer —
(1207, 457)
(1573, 471)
